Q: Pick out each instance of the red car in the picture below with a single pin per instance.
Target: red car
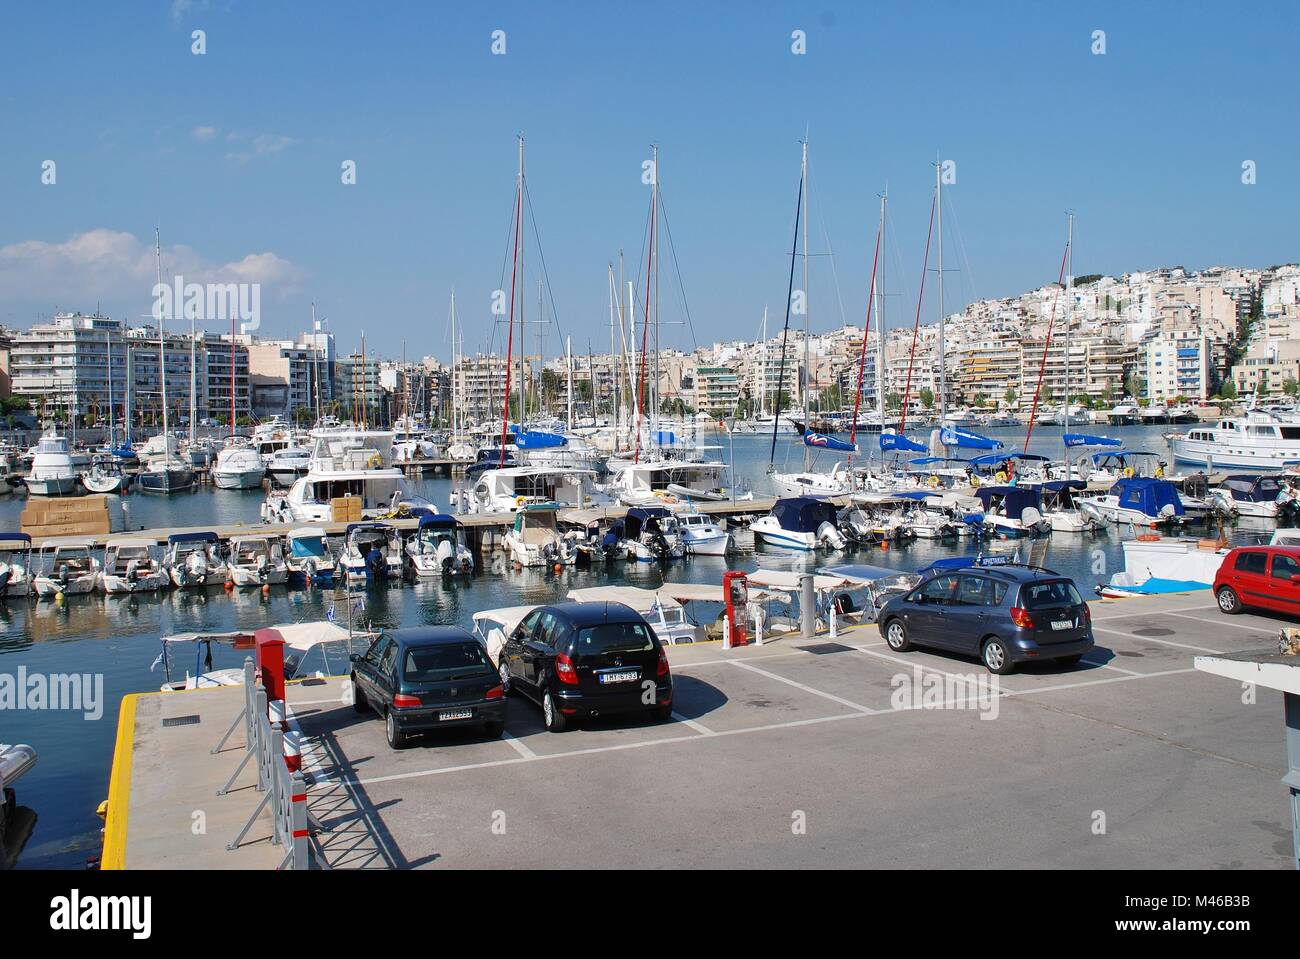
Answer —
(1267, 577)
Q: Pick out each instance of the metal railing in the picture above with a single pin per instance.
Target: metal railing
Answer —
(284, 792)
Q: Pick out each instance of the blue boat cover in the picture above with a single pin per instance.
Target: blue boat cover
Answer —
(1087, 439)
(951, 436)
(897, 441)
(1148, 495)
(803, 514)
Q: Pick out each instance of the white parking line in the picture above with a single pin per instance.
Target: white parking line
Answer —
(518, 746)
(807, 689)
(698, 727)
(1152, 639)
(1224, 621)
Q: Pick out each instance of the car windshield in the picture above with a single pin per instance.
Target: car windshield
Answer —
(445, 661)
(1057, 592)
(613, 638)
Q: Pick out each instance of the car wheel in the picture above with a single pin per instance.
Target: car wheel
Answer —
(494, 730)
(358, 697)
(996, 658)
(396, 738)
(896, 636)
(1069, 662)
(551, 714)
(503, 671)
(1229, 601)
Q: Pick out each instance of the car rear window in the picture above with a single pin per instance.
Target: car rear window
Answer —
(443, 662)
(613, 638)
(1251, 561)
(1056, 592)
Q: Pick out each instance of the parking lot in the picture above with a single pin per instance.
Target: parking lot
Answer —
(839, 753)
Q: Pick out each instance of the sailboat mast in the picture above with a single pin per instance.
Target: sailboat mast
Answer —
(162, 358)
(807, 370)
(880, 320)
(1069, 315)
(523, 329)
(654, 391)
(108, 342)
(785, 330)
(510, 327)
(943, 365)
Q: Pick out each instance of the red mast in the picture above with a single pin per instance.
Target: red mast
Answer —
(510, 335)
(1033, 410)
(866, 334)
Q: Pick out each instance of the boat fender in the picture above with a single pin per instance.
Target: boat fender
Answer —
(1148, 538)
(1002, 476)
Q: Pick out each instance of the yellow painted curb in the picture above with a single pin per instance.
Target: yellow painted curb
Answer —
(119, 788)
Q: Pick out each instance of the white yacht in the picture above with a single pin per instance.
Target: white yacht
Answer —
(130, 566)
(838, 482)
(344, 462)
(238, 466)
(270, 437)
(53, 472)
(1259, 439)
(72, 569)
(257, 560)
(702, 535)
(288, 464)
(651, 483)
(506, 490)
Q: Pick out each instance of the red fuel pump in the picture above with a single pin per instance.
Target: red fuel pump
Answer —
(735, 587)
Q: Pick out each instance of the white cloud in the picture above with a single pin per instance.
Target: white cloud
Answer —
(183, 8)
(112, 265)
(203, 134)
(258, 145)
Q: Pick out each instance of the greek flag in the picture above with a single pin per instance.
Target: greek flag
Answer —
(329, 613)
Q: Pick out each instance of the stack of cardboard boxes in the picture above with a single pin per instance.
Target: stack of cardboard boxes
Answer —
(70, 516)
(346, 509)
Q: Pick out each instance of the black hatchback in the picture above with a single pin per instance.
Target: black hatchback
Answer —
(587, 659)
(431, 677)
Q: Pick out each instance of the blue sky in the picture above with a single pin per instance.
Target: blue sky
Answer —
(237, 152)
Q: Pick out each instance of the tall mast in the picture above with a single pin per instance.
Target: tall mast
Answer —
(510, 326)
(807, 370)
(568, 364)
(455, 428)
(162, 359)
(880, 320)
(654, 390)
(1069, 308)
(194, 379)
(108, 342)
(613, 357)
(785, 329)
(943, 372)
(523, 329)
(315, 359)
(764, 357)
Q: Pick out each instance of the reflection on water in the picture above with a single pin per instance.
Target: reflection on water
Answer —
(118, 636)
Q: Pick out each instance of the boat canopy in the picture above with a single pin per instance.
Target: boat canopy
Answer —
(1152, 497)
(439, 521)
(1055, 486)
(640, 517)
(15, 538)
(641, 600)
(366, 526)
(788, 581)
(539, 440)
(507, 617)
(980, 559)
(862, 572)
(1087, 439)
(201, 537)
(965, 439)
(803, 514)
(931, 460)
(1252, 488)
(1119, 455)
(299, 636)
(897, 441)
(1015, 499)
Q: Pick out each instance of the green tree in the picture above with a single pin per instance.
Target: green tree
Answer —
(1290, 387)
(1228, 390)
(893, 401)
(1009, 397)
(1134, 385)
(926, 396)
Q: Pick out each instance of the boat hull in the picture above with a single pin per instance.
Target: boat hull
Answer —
(238, 479)
(52, 486)
(166, 482)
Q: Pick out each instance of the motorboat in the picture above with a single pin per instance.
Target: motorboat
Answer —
(199, 452)
(270, 437)
(1061, 509)
(665, 614)
(438, 548)
(106, 476)
(801, 523)
(1256, 495)
(1166, 564)
(308, 557)
(928, 518)
(53, 472)
(257, 560)
(71, 570)
(1123, 414)
(649, 534)
(494, 626)
(702, 535)
(1260, 439)
(15, 565)
(869, 588)
(371, 551)
(838, 482)
(311, 650)
(194, 560)
(1142, 501)
(1013, 511)
(288, 464)
(166, 475)
(505, 490)
(535, 538)
(669, 480)
(130, 566)
(344, 463)
(238, 466)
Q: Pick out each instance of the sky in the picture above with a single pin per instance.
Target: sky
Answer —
(237, 154)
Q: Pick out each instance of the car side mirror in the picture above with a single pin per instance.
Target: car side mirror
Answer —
(1295, 580)
(355, 657)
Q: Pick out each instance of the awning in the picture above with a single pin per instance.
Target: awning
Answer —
(787, 581)
(508, 617)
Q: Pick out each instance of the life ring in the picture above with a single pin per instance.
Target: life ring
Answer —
(1002, 476)
(974, 480)
(520, 501)
(934, 481)
(1128, 472)
(375, 461)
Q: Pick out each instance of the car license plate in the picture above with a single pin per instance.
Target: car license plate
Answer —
(625, 677)
(455, 714)
(1063, 624)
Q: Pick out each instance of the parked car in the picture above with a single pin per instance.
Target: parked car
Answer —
(1004, 614)
(587, 659)
(1266, 577)
(428, 677)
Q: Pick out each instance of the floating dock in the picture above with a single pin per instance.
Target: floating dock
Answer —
(823, 753)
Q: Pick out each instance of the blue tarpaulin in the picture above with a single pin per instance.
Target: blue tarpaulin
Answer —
(822, 441)
(1087, 439)
(538, 440)
(951, 436)
(897, 441)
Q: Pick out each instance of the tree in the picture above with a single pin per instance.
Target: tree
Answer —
(926, 396)
(893, 401)
(1134, 385)
(1009, 397)
(1228, 390)
(1290, 387)
(1108, 393)
(301, 414)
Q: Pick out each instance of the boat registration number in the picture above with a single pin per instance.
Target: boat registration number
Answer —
(1063, 624)
(455, 714)
(628, 676)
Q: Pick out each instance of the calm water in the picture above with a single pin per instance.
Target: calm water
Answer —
(118, 636)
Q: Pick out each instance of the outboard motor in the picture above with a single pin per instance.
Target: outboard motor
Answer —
(829, 536)
(446, 555)
(1031, 520)
(5, 576)
(195, 567)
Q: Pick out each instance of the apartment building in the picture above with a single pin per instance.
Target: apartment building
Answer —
(1267, 367)
(717, 389)
(1178, 363)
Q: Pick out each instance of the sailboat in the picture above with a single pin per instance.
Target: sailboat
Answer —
(167, 473)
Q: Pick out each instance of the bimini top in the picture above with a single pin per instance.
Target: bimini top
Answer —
(647, 512)
(364, 527)
(1055, 486)
(993, 459)
(803, 514)
(1120, 455)
(202, 537)
(439, 521)
(1015, 499)
(1153, 497)
(1248, 487)
(15, 538)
